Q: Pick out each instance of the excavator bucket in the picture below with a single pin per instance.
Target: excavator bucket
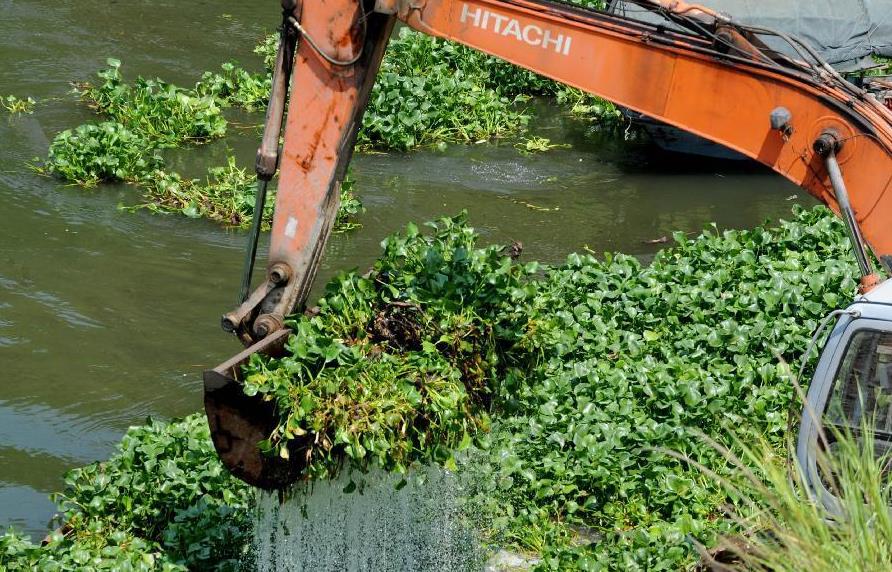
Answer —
(239, 422)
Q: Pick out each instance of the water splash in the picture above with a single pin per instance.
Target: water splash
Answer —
(367, 522)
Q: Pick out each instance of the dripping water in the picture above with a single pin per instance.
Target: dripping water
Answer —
(367, 521)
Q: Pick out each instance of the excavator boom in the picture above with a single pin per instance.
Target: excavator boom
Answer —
(700, 72)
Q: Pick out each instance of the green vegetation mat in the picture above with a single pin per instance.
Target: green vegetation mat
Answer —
(162, 502)
(560, 391)
(432, 91)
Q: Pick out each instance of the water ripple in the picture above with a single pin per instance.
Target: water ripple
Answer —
(59, 307)
(45, 430)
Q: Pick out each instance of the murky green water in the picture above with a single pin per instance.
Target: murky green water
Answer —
(107, 317)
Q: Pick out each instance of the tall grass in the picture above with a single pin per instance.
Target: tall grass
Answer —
(788, 527)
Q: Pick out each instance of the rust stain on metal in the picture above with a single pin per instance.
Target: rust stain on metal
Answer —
(316, 138)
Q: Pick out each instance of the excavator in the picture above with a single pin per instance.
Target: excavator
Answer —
(757, 91)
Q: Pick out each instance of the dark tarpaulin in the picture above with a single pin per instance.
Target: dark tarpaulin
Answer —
(844, 32)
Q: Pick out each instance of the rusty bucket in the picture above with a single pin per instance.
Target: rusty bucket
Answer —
(239, 422)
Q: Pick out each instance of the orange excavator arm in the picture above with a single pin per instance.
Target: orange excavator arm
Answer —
(703, 74)
(700, 72)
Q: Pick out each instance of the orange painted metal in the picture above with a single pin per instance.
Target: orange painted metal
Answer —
(728, 101)
(324, 113)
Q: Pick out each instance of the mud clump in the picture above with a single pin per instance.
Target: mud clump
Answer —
(399, 325)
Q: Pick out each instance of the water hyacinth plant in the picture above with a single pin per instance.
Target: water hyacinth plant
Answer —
(163, 113)
(629, 359)
(13, 104)
(425, 93)
(233, 86)
(588, 369)
(394, 367)
(93, 547)
(162, 502)
(151, 115)
(582, 401)
(105, 152)
(433, 91)
(227, 195)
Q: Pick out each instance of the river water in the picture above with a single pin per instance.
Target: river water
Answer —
(107, 317)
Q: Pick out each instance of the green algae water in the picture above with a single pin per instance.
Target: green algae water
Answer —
(107, 317)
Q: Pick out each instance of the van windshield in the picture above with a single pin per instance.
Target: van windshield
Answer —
(861, 396)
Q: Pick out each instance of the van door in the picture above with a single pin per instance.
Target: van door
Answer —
(851, 393)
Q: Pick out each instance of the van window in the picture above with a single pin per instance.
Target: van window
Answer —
(862, 390)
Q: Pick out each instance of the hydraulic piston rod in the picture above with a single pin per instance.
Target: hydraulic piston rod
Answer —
(828, 145)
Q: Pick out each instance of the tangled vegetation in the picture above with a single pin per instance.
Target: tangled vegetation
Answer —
(574, 392)
(395, 366)
(227, 195)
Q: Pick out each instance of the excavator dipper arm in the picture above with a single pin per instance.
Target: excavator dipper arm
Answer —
(700, 72)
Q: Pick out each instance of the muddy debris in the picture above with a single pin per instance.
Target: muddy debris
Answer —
(398, 325)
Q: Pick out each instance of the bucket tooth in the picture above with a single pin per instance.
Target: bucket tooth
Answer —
(239, 422)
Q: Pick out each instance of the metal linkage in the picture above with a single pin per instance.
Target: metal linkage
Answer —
(268, 153)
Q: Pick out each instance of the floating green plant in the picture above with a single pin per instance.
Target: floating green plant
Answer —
(163, 113)
(13, 104)
(227, 195)
(587, 369)
(538, 145)
(151, 115)
(104, 152)
(162, 502)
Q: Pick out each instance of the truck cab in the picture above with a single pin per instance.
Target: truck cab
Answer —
(852, 386)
